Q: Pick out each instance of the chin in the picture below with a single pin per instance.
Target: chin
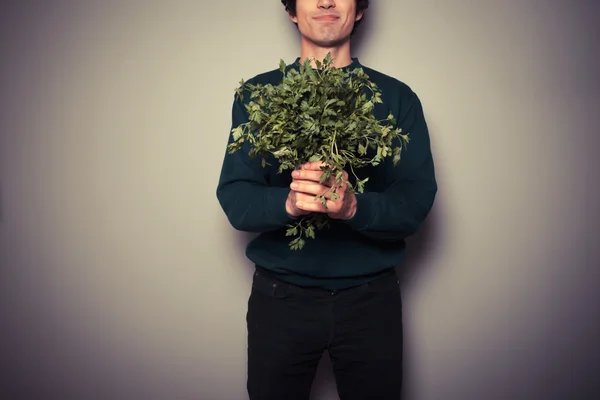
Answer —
(330, 42)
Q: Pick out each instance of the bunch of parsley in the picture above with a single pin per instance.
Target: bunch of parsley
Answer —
(318, 114)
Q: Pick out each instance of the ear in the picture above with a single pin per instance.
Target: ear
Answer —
(293, 18)
(359, 15)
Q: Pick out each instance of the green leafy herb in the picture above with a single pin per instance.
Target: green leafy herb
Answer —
(318, 114)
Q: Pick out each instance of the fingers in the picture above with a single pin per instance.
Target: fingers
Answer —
(315, 189)
(307, 187)
(310, 172)
(311, 176)
(310, 203)
(291, 207)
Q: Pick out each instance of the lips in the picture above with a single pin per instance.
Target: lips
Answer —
(327, 17)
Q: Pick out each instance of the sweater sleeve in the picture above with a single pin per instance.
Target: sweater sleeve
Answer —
(244, 194)
(398, 211)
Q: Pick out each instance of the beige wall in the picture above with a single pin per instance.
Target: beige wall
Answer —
(121, 278)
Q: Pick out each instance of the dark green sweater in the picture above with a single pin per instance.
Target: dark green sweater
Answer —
(395, 202)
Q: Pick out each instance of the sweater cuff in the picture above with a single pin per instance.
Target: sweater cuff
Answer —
(276, 198)
(365, 212)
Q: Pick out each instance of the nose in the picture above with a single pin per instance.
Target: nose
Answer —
(326, 4)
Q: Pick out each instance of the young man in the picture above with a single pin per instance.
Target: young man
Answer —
(340, 292)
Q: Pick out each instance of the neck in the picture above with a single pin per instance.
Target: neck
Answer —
(340, 55)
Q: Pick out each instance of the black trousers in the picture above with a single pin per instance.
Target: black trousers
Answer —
(289, 328)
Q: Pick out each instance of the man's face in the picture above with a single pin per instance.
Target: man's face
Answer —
(326, 23)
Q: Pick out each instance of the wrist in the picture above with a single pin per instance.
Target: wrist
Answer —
(351, 208)
(348, 211)
(288, 207)
(291, 211)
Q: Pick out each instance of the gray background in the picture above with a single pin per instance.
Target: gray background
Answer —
(121, 279)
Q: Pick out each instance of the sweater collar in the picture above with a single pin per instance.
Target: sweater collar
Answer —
(353, 64)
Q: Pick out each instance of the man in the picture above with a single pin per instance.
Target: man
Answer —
(340, 292)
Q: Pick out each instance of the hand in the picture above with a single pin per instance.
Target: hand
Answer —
(306, 187)
(292, 202)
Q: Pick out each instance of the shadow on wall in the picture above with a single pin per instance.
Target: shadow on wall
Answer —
(418, 248)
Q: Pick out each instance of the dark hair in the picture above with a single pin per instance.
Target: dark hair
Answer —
(361, 5)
